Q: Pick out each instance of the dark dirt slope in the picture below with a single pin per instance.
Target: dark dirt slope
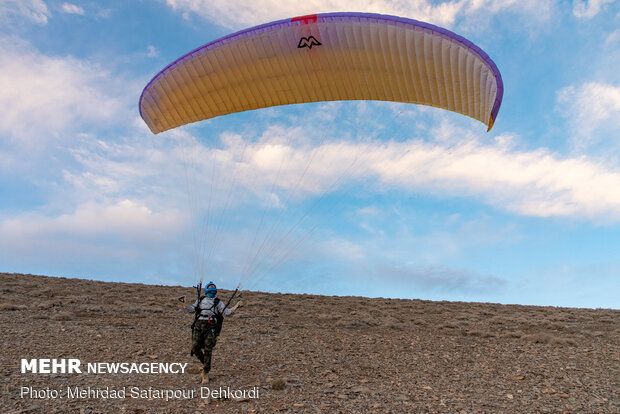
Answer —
(312, 353)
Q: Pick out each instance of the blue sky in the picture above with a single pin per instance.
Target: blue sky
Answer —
(399, 200)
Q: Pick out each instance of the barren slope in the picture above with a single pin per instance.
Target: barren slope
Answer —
(312, 353)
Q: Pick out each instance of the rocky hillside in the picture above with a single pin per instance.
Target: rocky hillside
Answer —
(305, 353)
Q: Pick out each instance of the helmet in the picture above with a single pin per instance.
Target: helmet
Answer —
(210, 289)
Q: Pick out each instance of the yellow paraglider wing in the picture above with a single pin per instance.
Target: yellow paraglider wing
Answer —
(325, 57)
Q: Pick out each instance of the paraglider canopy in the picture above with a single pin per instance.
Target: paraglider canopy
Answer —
(325, 57)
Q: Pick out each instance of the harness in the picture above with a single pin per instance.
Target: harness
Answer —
(217, 319)
(217, 316)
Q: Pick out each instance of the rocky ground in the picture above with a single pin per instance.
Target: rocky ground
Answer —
(305, 353)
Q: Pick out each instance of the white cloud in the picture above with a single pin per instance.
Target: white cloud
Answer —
(151, 51)
(587, 9)
(32, 10)
(534, 183)
(240, 14)
(106, 239)
(344, 249)
(593, 112)
(42, 96)
(613, 38)
(276, 166)
(127, 220)
(72, 9)
(368, 211)
(594, 102)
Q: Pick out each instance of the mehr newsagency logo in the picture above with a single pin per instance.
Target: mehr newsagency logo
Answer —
(74, 366)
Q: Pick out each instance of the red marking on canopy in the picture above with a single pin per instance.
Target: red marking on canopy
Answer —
(309, 18)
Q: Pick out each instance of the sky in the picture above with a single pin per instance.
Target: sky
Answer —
(397, 200)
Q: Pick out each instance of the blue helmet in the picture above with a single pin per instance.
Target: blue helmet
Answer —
(210, 290)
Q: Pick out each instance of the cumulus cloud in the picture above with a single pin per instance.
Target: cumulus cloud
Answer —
(280, 165)
(31, 10)
(247, 13)
(587, 9)
(593, 112)
(106, 239)
(534, 183)
(72, 9)
(125, 220)
(43, 95)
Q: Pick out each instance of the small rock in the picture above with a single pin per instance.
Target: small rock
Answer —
(278, 384)
(509, 396)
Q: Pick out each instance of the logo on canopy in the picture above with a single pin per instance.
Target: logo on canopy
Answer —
(308, 42)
